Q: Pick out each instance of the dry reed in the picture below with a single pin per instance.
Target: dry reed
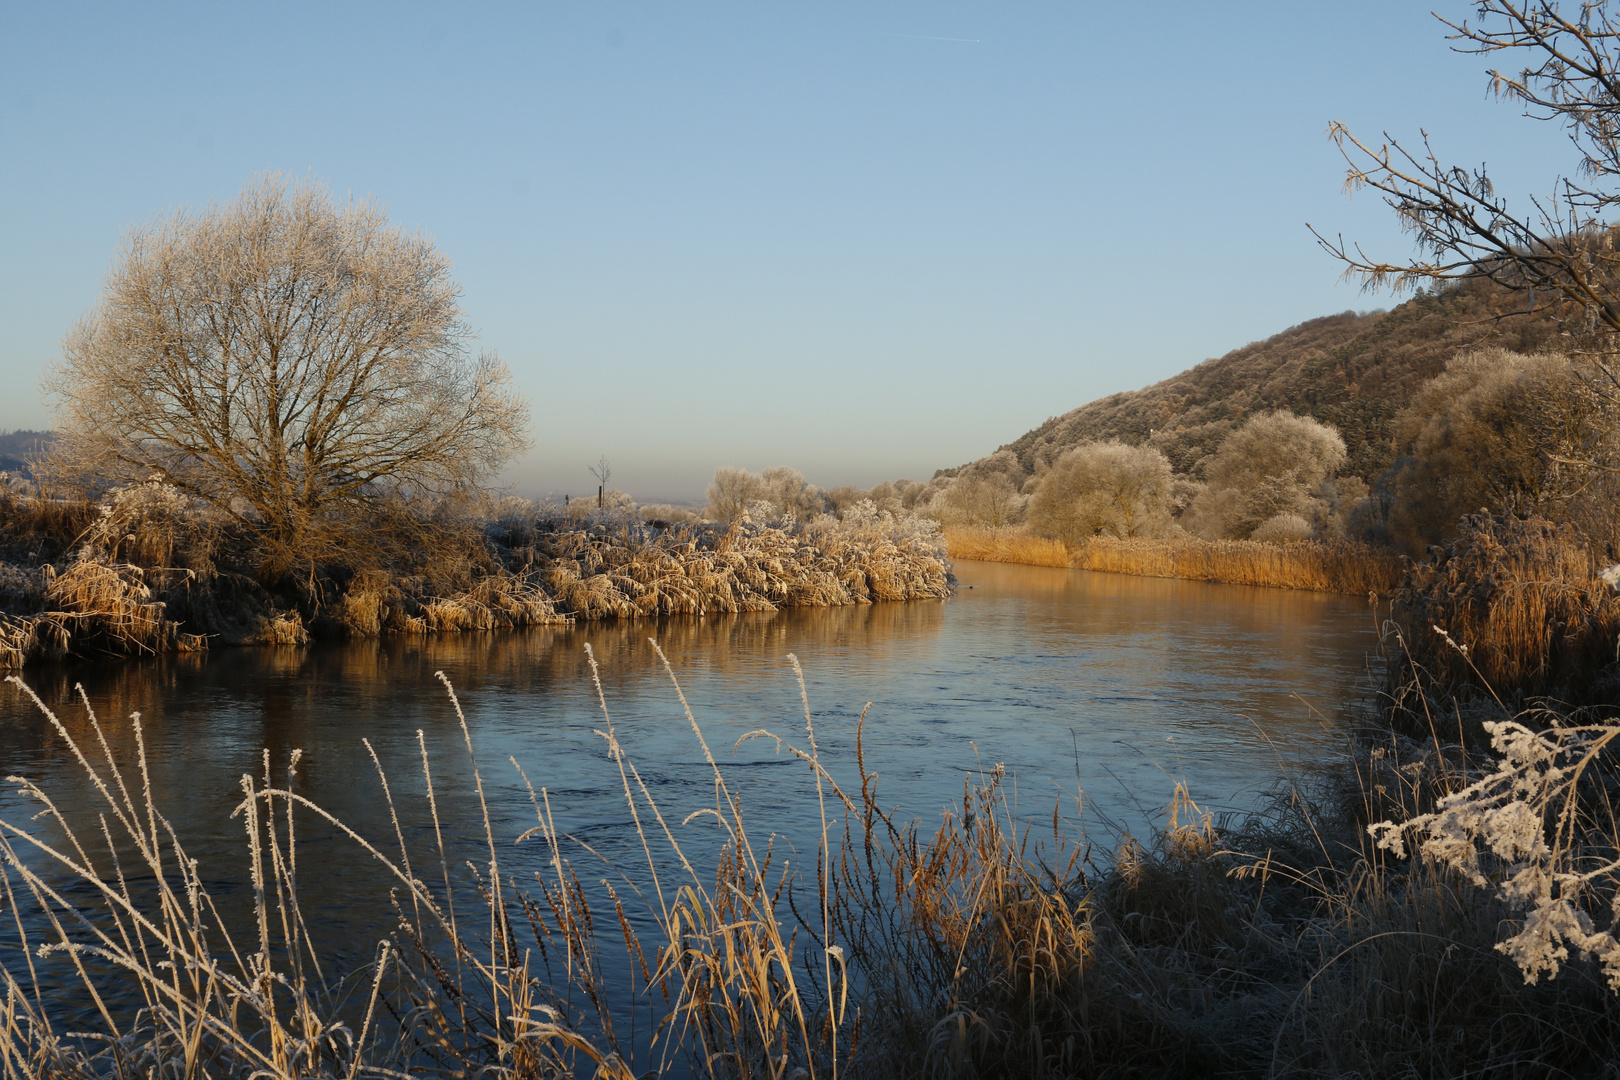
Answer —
(93, 608)
(632, 573)
(1008, 545)
(449, 994)
(1511, 607)
(1321, 566)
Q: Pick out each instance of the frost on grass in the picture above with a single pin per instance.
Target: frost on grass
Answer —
(1523, 829)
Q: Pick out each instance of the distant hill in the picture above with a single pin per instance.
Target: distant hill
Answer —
(19, 448)
(1353, 371)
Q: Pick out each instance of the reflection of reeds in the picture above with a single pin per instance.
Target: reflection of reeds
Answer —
(1288, 945)
(1323, 566)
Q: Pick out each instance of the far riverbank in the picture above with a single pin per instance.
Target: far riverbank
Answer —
(1319, 566)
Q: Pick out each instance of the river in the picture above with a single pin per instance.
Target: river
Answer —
(1097, 690)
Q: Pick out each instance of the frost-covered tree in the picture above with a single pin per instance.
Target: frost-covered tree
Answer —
(298, 364)
(782, 491)
(1272, 465)
(988, 500)
(1105, 488)
(1504, 432)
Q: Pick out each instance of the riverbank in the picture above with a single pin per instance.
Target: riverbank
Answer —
(145, 572)
(1320, 566)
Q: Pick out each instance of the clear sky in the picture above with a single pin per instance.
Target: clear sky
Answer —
(865, 239)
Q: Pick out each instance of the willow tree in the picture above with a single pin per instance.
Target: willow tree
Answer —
(299, 364)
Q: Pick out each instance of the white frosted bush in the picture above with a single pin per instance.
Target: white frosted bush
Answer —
(1283, 529)
(1103, 488)
(1520, 829)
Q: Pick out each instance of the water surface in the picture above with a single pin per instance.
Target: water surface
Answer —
(1102, 686)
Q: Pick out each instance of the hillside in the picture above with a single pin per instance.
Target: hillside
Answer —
(19, 448)
(1352, 371)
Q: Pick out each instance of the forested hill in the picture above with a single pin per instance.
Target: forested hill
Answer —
(1352, 371)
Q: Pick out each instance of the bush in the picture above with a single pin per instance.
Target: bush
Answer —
(1274, 464)
(1104, 488)
(1283, 529)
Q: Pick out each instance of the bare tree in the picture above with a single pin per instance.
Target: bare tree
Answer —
(299, 364)
(986, 499)
(1560, 251)
(603, 473)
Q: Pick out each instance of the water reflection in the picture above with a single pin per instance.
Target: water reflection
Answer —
(1113, 678)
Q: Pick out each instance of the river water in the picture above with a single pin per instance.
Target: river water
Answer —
(1099, 690)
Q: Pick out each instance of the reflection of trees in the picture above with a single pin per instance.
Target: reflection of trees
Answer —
(289, 694)
(206, 721)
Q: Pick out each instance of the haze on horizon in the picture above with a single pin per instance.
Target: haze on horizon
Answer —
(866, 242)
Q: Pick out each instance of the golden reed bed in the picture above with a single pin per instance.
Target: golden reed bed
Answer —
(1325, 566)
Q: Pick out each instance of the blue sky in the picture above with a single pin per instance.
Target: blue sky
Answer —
(865, 239)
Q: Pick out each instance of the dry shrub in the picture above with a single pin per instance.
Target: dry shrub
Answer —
(668, 514)
(155, 525)
(93, 608)
(22, 588)
(497, 602)
(46, 525)
(363, 611)
(278, 628)
(1512, 606)
(1283, 529)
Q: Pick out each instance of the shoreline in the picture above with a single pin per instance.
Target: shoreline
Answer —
(1315, 566)
(498, 575)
